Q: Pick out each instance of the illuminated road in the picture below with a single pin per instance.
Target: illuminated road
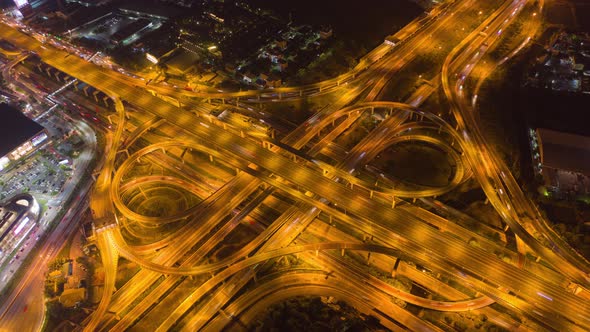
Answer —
(493, 174)
(266, 167)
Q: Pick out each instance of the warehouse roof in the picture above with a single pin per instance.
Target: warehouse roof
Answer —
(564, 151)
(16, 128)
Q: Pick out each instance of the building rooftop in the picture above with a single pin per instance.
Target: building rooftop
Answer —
(564, 151)
(16, 128)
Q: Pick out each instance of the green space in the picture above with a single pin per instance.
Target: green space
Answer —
(415, 163)
(305, 313)
(239, 237)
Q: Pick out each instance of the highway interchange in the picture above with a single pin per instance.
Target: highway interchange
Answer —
(311, 185)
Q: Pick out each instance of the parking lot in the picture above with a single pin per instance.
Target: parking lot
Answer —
(41, 174)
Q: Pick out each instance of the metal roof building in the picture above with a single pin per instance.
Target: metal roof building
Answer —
(19, 135)
(564, 151)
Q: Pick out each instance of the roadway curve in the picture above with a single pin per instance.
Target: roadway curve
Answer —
(294, 283)
(395, 137)
(102, 212)
(523, 217)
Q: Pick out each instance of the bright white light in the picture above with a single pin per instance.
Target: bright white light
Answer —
(21, 3)
(21, 225)
(151, 58)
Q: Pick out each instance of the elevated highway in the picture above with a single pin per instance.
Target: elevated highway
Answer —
(404, 230)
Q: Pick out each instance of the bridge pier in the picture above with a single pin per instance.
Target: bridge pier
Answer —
(211, 158)
(342, 252)
(371, 192)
